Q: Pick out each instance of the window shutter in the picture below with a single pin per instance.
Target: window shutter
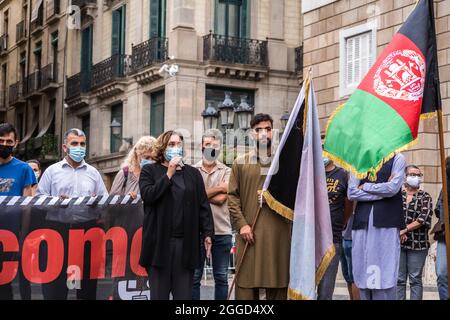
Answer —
(154, 18)
(115, 33)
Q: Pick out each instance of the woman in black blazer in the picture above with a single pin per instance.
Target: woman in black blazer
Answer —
(177, 216)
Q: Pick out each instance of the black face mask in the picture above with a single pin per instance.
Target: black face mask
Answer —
(5, 151)
(210, 154)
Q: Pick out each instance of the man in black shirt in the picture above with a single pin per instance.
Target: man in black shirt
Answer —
(340, 210)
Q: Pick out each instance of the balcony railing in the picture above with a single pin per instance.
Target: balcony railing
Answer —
(82, 3)
(34, 82)
(3, 103)
(108, 70)
(54, 9)
(38, 23)
(74, 85)
(16, 92)
(148, 53)
(299, 59)
(49, 75)
(4, 43)
(220, 48)
(21, 31)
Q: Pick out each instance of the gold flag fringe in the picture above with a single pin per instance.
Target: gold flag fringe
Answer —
(428, 115)
(278, 207)
(320, 272)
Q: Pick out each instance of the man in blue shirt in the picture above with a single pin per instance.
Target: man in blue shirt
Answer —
(16, 179)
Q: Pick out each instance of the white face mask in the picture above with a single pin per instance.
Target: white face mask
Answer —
(413, 181)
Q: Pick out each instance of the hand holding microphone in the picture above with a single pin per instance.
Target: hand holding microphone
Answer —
(173, 164)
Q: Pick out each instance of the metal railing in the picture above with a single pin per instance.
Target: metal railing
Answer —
(33, 82)
(53, 10)
(21, 31)
(299, 59)
(148, 53)
(39, 22)
(110, 69)
(3, 43)
(49, 74)
(220, 48)
(16, 91)
(73, 85)
(82, 3)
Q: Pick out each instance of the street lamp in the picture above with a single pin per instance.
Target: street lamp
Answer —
(210, 117)
(226, 109)
(284, 120)
(244, 113)
(116, 130)
(116, 127)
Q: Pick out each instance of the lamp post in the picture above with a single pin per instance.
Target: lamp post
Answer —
(210, 117)
(244, 115)
(284, 120)
(116, 130)
(226, 110)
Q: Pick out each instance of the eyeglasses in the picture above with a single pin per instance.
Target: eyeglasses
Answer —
(414, 175)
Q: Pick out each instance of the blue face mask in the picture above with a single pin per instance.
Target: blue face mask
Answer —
(326, 161)
(77, 154)
(146, 161)
(37, 175)
(170, 153)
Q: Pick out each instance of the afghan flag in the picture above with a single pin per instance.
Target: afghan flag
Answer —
(381, 118)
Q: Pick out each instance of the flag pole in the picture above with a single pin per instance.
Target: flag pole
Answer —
(238, 266)
(444, 193)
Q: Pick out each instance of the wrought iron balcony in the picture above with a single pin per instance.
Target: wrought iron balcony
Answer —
(16, 91)
(53, 10)
(299, 59)
(83, 3)
(148, 53)
(49, 77)
(110, 70)
(4, 44)
(37, 24)
(233, 50)
(73, 86)
(33, 83)
(21, 31)
(3, 102)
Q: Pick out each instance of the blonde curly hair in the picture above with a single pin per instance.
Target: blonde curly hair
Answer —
(143, 145)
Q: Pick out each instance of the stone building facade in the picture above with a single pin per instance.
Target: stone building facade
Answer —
(114, 56)
(31, 76)
(342, 39)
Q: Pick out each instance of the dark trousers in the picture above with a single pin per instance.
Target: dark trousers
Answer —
(220, 252)
(326, 286)
(174, 278)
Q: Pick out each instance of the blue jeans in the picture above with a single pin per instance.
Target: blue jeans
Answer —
(346, 261)
(441, 270)
(411, 266)
(220, 253)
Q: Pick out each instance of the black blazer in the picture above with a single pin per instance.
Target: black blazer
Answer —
(156, 193)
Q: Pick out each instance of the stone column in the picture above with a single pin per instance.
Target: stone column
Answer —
(182, 35)
(277, 46)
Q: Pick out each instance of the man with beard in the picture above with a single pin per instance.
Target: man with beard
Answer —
(266, 263)
(215, 176)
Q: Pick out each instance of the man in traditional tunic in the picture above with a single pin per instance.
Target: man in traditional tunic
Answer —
(376, 230)
(266, 263)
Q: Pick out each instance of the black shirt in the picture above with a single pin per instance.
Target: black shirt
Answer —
(337, 183)
(178, 189)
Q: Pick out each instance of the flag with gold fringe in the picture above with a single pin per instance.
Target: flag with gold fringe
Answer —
(296, 188)
(381, 118)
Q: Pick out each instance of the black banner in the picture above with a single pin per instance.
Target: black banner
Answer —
(85, 248)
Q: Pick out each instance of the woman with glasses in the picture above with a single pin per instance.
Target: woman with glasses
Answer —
(417, 205)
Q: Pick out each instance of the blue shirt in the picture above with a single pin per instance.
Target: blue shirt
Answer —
(15, 176)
